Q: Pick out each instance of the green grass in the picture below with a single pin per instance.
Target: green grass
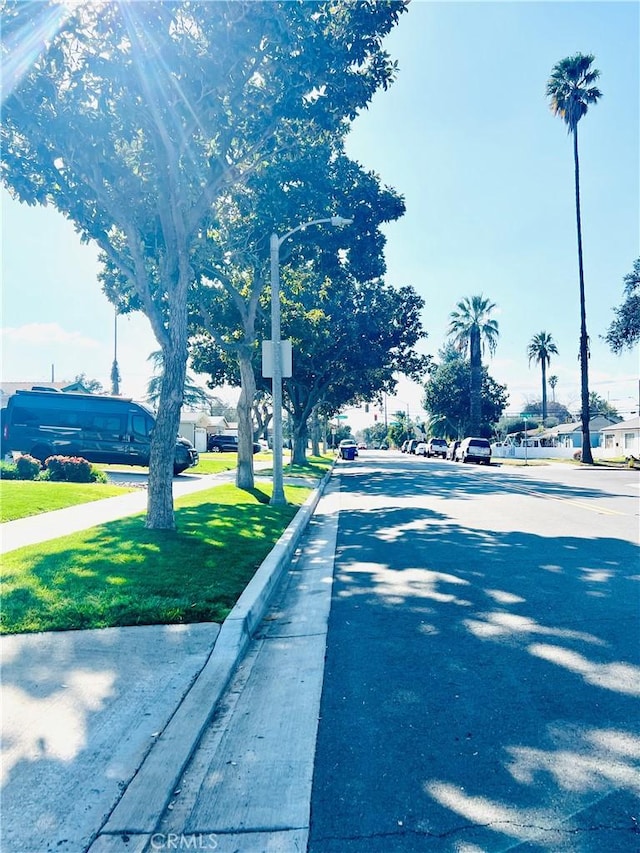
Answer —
(21, 498)
(123, 574)
(317, 466)
(209, 463)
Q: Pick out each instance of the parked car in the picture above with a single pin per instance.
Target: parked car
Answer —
(403, 446)
(226, 444)
(411, 445)
(474, 450)
(348, 449)
(451, 450)
(437, 447)
(421, 449)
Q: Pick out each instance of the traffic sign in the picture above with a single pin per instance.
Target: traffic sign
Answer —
(525, 415)
(341, 417)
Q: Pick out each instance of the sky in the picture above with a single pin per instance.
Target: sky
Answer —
(466, 136)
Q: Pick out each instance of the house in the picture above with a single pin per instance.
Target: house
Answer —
(621, 439)
(570, 435)
(558, 442)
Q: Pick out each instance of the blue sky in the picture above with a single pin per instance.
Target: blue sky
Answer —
(465, 134)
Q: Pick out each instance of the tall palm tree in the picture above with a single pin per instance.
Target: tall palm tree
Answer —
(472, 329)
(541, 348)
(571, 90)
(553, 381)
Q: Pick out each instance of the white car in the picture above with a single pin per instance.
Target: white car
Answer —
(421, 449)
(474, 450)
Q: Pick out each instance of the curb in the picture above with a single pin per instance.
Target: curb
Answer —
(149, 792)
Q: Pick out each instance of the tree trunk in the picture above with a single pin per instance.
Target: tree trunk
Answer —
(587, 456)
(300, 438)
(163, 440)
(543, 365)
(244, 471)
(475, 360)
(315, 433)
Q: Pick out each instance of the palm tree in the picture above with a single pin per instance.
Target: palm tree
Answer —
(553, 381)
(471, 328)
(541, 348)
(192, 394)
(571, 90)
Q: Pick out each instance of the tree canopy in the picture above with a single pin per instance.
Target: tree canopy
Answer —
(624, 331)
(540, 349)
(135, 120)
(471, 329)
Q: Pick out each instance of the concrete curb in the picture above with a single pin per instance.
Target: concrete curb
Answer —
(150, 790)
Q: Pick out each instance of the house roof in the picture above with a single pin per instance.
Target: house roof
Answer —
(596, 424)
(632, 423)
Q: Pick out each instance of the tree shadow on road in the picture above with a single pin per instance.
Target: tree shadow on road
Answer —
(481, 688)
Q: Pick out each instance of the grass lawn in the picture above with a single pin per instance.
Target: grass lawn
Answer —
(122, 574)
(21, 498)
(317, 466)
(209, 463)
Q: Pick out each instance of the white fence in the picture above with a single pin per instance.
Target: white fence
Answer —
(509, 451)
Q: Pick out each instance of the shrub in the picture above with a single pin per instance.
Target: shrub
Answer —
(27, 467)
(8, 470)
(72, 469)
(98, 476)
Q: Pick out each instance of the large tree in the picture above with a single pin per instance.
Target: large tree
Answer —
(471, 329)
(447, 397)
(295, 187)
(571, 90)
(133, 119)
(540, 349)
(624, 331)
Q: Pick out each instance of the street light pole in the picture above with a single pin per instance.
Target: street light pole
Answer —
(277, 496)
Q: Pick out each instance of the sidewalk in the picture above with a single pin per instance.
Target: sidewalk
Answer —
(99, 725)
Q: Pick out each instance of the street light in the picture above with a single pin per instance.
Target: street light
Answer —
(277, 497)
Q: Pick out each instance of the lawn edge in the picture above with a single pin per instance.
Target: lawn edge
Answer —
(148, 793)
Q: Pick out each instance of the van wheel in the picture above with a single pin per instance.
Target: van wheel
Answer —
(41, 452)
(216, 449)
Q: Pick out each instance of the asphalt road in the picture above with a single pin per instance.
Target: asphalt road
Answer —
(482, 677)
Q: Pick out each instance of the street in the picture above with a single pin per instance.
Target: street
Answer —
(481, 683)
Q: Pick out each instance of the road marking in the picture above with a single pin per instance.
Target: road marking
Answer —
(572, 501)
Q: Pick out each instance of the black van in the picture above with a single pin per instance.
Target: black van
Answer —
(115, 430)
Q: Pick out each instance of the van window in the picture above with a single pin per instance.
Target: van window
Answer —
(23, 415)
(140, 425)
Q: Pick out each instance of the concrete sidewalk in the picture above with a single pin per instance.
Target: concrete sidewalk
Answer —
(99, 725)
